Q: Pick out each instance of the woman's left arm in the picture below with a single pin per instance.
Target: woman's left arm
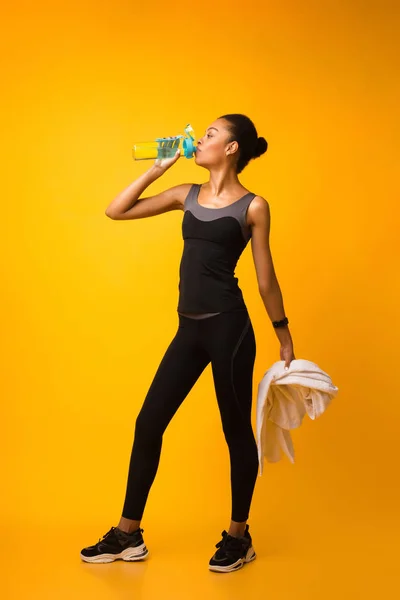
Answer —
(259, 219)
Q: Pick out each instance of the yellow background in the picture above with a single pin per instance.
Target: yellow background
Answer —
(89, 304)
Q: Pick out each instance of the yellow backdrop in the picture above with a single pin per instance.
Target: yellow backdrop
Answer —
(89, 304)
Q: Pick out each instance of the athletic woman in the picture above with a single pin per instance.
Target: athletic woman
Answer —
(220, 216)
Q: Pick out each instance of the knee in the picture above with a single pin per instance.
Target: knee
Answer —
(147, 432)
(241, 440)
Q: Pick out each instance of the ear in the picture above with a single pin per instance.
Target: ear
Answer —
(232, 148)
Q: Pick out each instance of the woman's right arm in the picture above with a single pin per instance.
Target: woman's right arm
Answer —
(128, 205)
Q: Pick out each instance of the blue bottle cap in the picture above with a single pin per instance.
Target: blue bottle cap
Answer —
(189, 147)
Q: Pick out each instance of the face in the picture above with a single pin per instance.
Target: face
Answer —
(213, 148)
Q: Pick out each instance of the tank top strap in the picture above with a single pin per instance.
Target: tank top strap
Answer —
(239, 208)
(239, 211)
(189, 200)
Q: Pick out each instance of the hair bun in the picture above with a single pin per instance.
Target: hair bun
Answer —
(261, 147)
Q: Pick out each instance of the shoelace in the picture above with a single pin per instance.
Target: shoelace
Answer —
(106, 534)
(228, 544)
(112, 531)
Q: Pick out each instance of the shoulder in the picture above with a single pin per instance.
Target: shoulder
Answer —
(258, 211)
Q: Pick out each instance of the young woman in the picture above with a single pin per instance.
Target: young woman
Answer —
(220, 217)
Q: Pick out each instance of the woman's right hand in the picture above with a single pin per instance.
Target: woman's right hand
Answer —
(166, 163)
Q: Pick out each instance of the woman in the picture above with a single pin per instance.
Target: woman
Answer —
(220, 217)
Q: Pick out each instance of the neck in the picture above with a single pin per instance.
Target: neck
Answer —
(223, 182)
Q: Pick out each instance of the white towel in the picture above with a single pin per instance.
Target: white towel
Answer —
(284, 396)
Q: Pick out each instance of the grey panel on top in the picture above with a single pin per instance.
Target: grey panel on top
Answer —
(237, 209)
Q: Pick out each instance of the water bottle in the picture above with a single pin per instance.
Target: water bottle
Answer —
(166, 147)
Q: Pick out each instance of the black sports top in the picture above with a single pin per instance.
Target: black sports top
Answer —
(214, 239)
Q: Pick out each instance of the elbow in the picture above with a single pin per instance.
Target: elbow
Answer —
(110, 215)
(268, 288)
(268, 285)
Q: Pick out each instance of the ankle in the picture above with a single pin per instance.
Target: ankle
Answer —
(128, 525)
(128, 530)
(237, 529)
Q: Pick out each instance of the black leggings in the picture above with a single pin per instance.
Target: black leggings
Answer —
(227, 341)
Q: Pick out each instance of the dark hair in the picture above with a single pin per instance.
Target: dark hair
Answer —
(243, 131)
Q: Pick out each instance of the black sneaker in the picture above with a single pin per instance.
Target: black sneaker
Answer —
(116, 544)
(233, 552)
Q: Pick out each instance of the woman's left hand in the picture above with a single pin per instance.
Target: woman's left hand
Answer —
(287, 354)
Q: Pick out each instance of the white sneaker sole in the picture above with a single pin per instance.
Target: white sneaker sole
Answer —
(251, 555)
(129, 554)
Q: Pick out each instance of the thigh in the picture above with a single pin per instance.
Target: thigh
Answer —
(233, 352)
(180, 367)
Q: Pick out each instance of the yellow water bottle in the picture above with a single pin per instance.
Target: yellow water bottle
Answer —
(166, 147)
